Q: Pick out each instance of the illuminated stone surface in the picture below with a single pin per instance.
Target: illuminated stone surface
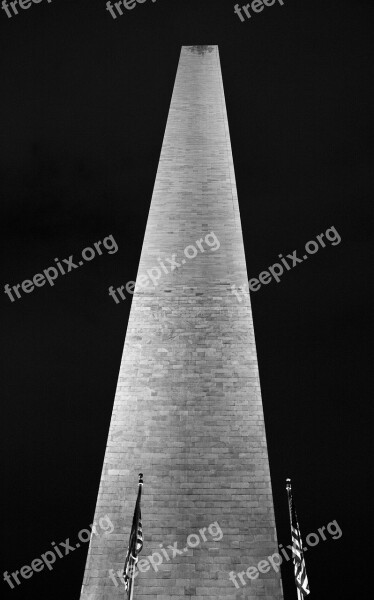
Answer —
(188, 410)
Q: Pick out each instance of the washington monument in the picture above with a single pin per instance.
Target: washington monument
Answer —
(188, 411)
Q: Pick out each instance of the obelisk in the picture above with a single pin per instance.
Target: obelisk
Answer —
(188, 411)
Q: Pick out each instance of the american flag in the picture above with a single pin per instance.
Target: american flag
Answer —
(135, 543)
(301, 578)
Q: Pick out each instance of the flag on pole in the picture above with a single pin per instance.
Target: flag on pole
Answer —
(301, 578)
(135, 544)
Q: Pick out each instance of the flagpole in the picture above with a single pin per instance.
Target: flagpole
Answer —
(294, 524)
(132, 586)
(289, 496)
(140, 486)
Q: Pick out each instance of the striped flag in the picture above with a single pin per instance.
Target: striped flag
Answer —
(135, 543)
(301, 578)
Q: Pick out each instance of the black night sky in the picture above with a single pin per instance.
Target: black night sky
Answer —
(84, 105)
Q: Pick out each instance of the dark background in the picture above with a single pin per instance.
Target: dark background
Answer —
(84, 105)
